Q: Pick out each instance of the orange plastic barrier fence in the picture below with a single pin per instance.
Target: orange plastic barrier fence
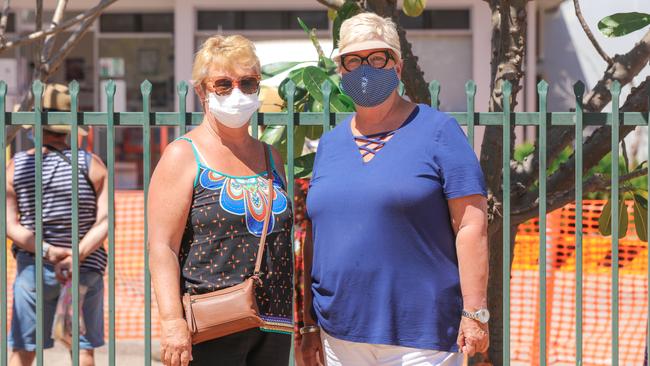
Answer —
(129, 286)
(561, 285)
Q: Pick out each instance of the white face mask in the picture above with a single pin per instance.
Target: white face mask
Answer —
(233, 110)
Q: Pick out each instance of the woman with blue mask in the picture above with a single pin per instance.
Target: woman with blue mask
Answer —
(212, 195)
(396, 271)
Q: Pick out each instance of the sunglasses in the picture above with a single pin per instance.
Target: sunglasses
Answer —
(223, 85)
(377, 59)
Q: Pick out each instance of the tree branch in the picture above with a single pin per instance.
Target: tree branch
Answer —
(56, 60)
(595, 147)
(585, 27)
(39, 26)
(597, 183)
(32, 37)
(48, 44)
(508, 50)
(415, 86)
(332, 4)
(3, 20)
(624, 68)
(44, 73)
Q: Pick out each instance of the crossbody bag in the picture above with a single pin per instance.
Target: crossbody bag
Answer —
(233, 309)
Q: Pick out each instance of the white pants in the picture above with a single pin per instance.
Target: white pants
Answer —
(345, 353)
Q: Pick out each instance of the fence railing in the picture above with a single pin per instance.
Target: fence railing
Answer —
(181, 119)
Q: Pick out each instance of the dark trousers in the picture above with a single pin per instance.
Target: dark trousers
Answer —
(248, 348)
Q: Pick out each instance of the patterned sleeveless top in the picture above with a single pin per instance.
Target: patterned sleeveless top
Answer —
(221, 239)
(57, 201)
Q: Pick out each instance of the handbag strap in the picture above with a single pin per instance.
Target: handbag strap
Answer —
(67, 160)
(269, 195)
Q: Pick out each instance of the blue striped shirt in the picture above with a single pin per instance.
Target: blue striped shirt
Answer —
(57, 201)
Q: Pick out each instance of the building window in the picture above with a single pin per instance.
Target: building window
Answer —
(260, 20)
(437, 19)
(11, 23)
(137, 23)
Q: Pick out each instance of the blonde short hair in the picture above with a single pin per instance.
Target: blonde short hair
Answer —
(367, 27)
(227, 52)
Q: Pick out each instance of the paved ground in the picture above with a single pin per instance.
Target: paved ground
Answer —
(126, 354)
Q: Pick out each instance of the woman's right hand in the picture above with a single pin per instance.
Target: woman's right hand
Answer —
(175, 343)
(312, 349)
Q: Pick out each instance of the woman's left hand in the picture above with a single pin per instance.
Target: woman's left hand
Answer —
(473, 336)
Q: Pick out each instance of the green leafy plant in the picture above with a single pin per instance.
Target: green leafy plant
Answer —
(308, 94)
(634, 190)
(620, 24)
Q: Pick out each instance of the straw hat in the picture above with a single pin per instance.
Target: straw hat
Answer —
(56, 97)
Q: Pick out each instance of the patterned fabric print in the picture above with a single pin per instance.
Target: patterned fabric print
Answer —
(247, 196)
(221, 238)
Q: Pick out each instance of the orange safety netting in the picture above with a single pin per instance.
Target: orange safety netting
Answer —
(129, 271)
(561, 287)
(560, 251)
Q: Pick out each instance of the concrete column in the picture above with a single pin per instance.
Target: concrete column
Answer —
(481, 48)
(184, 27)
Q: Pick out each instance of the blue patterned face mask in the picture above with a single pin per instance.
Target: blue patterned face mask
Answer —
(369, 86)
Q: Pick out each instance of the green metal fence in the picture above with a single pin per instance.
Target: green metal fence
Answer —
(181, 119)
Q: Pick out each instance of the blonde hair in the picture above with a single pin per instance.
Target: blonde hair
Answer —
(369, 26)
(227, 52)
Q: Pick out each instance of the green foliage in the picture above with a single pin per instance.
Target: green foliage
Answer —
(271, 70)
(605, 219)
(634, 189)
(308, 97)
(641, 217)
(304, 165)
(523, 151)
(620, 24)
(349, 9)
(414, 8)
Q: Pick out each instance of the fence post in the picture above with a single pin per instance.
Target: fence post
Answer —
(434, 90)
(145, 88)
(542, 89)
(110, 161)
(37, 89)
(182, 107)
(616, 91)
(579, 90)
(3, 228)
(74, 142)
(507, 89)
(470, 90)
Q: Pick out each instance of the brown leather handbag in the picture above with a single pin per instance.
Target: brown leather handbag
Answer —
(233, 309)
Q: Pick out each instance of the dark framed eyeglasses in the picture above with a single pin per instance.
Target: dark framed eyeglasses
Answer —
(224, 85)
(377, 59)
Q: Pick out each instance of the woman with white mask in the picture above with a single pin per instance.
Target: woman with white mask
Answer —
(210, 201)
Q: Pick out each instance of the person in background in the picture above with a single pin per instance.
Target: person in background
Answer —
(398, 267)
(57, 236)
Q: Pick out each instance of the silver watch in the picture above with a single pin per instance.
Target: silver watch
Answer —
(482, 315)
(46, 248)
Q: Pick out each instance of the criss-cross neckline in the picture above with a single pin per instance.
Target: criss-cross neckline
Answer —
(372, 144)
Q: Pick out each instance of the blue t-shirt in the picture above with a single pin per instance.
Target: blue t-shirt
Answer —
(385, 269)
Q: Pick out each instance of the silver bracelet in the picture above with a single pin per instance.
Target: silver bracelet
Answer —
(309, 329)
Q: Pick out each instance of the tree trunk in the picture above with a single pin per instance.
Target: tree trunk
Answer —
(509, 22)
(415, 87)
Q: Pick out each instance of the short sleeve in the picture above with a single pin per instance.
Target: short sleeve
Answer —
(458, 167)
